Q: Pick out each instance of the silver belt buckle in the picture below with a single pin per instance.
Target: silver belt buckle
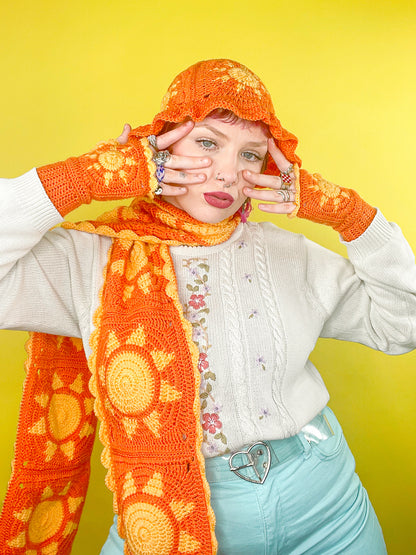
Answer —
(259, 460)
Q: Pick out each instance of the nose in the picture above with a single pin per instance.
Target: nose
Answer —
(226, 171)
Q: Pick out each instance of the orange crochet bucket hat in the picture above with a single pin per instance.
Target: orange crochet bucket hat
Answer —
(221, 83)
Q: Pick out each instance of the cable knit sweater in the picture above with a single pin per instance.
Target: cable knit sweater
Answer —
(257, 304)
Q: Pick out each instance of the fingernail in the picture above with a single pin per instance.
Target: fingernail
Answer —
(201, 176)
(205, 160)
(248, 173)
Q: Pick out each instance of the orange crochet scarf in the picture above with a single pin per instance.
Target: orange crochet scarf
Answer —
(144, 390)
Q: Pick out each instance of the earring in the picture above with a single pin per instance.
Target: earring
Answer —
(245, 210)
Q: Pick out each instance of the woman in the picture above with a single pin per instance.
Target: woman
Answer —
(197, 329)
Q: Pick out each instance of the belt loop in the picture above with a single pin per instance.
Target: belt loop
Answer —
(307, 447)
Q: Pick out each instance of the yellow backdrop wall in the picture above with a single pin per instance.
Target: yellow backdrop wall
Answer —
(343, 80)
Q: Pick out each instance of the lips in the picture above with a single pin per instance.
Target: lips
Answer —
(219, 199)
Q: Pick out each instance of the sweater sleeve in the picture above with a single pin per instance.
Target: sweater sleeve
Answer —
(370, 298)
(111, 171)
(46, 277)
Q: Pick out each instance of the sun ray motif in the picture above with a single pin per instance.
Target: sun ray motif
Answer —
(153, 422)
(181, 509)
(155, 485)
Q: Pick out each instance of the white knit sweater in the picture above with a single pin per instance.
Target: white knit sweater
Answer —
(257, 303)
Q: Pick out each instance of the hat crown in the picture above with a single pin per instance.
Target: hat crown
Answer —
(216, 83)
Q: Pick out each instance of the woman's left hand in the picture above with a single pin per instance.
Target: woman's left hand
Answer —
(278, 193)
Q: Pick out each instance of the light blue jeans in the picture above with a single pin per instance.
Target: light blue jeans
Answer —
(313, 504)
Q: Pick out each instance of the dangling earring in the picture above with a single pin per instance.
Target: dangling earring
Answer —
(245, 210)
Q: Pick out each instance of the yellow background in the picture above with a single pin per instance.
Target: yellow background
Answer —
(342, 75)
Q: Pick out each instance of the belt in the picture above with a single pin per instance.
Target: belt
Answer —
(253, 462)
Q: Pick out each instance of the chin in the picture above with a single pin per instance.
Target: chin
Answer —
(211, 218)
(201, 211)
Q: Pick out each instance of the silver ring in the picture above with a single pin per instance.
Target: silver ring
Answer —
(283, 185)
(161, 157)
(158, 191)
(285, 194)
(152, 141)
(287, 172)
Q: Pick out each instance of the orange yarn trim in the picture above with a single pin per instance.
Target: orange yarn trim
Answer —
(297, 192)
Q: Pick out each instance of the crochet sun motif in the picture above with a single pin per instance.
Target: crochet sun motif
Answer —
(157, 520)
(116, 161)
(131, 384)
(329, 191)
(45, 523)
(64, 410)
(243, 76)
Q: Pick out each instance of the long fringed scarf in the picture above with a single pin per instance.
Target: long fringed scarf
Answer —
(142, 383)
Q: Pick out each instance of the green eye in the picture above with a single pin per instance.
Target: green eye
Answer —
(251, 156)
(207, 144)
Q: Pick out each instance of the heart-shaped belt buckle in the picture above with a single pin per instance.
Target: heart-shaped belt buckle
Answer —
(259, 459)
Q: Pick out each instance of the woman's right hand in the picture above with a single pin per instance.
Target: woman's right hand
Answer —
(176, 177)
(120, 169)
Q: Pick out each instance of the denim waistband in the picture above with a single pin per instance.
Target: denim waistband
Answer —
(254, 461)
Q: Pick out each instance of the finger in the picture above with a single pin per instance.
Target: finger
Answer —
(284, 208)
(172, 190)
(182, 177)
(271, 195)
(187, 162)
(167, 139)
(123, 138)
(263, 180)
(281, 161)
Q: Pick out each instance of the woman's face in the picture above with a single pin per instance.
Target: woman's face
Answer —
(232, 147)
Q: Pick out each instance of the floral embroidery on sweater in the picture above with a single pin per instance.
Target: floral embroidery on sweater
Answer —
(261, 362)
(196, 310)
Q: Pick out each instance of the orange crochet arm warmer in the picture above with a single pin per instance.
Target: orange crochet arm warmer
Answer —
(109, 172)
(323, 202)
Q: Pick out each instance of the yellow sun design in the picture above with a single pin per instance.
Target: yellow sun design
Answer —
(113, 159)
(243, 76)
(65, 410)
(45, 522)
(133, 381)
(329, 191)
(150, 525)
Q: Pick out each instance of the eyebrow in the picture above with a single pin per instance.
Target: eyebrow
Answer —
(219, 134)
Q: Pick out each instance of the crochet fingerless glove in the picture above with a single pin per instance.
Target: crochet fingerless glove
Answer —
(109, 172)
(323, 202)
